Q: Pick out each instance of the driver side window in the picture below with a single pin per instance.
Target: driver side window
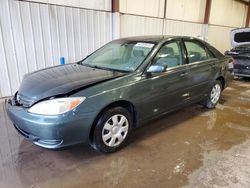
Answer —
(169, 55)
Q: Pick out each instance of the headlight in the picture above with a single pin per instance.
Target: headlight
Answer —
(56, 106)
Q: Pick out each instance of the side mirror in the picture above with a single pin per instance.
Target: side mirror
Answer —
(157, 69)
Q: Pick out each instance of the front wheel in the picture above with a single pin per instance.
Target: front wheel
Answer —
(112, 130)
(213, 95)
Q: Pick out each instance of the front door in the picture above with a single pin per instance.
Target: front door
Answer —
(165, 91)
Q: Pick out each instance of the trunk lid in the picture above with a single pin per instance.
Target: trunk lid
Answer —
(240, 37)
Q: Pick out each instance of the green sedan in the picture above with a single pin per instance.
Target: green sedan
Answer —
(119, 87)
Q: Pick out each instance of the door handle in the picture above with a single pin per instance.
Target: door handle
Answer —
(183, 74)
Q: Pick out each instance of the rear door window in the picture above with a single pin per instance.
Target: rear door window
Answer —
(197, 52)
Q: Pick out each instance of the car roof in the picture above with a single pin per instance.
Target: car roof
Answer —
(154, 38)
(163, 38)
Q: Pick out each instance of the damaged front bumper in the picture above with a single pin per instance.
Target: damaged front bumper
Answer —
(50, 132)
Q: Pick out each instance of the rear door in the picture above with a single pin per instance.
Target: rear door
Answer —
(202, 67)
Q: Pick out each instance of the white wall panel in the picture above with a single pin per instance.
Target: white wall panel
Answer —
(77, 34)
(4, 71)
(53, 31)
(143, 7)
(9, 48)
(138, 25)
(228, 13)
(219, 37)
(29, 39)
(89, 4)
(186, 10)
(18, 39)
(46, 35)
(173, 27)
(37, 35)
(34, 36)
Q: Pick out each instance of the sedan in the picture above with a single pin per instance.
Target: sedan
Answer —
(119, 87)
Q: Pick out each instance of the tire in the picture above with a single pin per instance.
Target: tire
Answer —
(112, 130)
(213, 95)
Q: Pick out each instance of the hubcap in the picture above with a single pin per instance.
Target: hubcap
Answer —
(115, 130)
(215, 94)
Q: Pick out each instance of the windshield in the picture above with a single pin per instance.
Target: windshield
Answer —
(120, 55)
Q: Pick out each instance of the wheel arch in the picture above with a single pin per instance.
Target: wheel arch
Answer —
(222, 80)
(121, 103)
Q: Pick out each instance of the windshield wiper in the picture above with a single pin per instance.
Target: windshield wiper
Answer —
(104, 68)
(110, 69)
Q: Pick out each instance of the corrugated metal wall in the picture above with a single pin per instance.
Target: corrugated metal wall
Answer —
(90, 4)
(225, 15)
(148, 17)
(139, 25)
(175, 27)
(35, 36)
(231, 15)
(219, 36)
(180, 10)
(141, 17)
(153, 8)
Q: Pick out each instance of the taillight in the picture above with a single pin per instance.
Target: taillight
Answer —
(232, 61)
(231, 64)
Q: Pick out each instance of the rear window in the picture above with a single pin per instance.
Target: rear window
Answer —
(242, 37)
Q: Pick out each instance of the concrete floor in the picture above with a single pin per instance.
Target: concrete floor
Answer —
(193, 147)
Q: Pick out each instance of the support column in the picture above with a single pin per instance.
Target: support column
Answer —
(115, 19)
(206, 20)
(164, 17)
(207, 12)
(248, 15)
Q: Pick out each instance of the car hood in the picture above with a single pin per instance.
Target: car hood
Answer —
(240, 37)
(60, 80)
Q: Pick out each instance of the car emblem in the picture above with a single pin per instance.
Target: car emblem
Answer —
(247, 67)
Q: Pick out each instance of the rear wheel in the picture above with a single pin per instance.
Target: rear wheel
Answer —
(213, 95)
(112, 130)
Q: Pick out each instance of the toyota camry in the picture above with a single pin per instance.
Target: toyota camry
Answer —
(119, 87)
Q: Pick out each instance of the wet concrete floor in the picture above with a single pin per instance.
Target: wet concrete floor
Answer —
(193, 147)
